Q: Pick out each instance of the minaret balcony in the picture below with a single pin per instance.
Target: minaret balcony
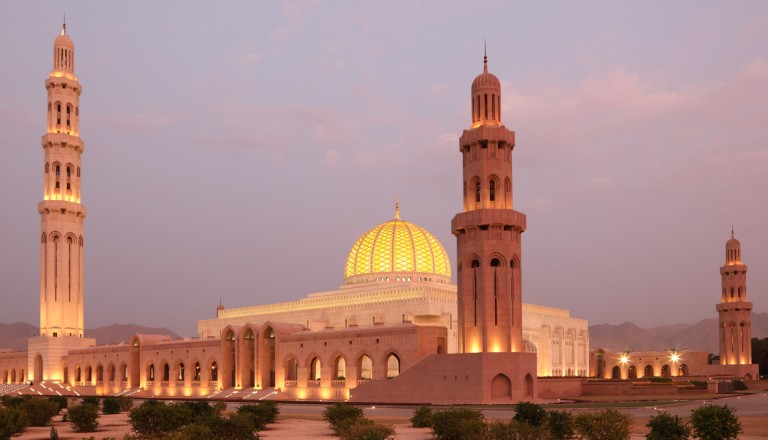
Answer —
(734, 306)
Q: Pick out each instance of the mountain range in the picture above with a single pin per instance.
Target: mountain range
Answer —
(702, 336)
(15, 335)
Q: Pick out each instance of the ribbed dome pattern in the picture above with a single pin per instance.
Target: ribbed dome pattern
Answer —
(397, 246)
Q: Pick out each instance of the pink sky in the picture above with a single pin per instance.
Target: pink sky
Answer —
(237, 151)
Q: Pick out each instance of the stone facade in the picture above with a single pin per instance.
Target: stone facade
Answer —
(396, 323)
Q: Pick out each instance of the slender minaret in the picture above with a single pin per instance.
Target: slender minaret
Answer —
(488, 230)
(734, 310)
(61, 213)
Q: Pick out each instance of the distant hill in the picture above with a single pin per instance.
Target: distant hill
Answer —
(14, 336)
(701, 336)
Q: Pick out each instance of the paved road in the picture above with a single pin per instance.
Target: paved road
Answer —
(754, 405)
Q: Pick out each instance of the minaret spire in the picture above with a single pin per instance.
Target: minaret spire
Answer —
(64, 25)
(485, 56)
(397, 208)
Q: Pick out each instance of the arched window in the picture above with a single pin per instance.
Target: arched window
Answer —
(648, 372)
(393, 366)
(58, 169)
(151, 373)
(495, 262)
(492, 190)
(340, 369)
(166, 372)
(315, 369)
(124, 370)
(291, 369)
(196, 376)
(111, 370)
(365, 367)
(99, 374)
(214, 372)
(181, 371)
(77, 374)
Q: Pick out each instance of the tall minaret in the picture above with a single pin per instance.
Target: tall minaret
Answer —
(734, 310)
(488, 231)
(61, 213)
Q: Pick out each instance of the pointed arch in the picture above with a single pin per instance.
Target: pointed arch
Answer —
(501, 387)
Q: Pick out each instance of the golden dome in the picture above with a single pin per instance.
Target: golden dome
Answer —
(397, 251)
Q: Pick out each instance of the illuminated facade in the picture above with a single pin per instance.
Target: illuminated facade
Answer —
(734, 311)
(488, 231)
(396, 321)
(61, 221)
(734, 332)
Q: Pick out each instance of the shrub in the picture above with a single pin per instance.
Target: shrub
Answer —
(422, 417)
(560, 424)
(13, 421)
(604, 425)
(712, 422)
(60, 400)
(739, 385)
(39, 411)
(367, 429)
(530, 413)
(340, 415)
(84, 417)
(699, 384)
(201, 410)
(152, 418)
(93, 400)
(514, 430)
(262, 413)
(665, 426)
(110, 405)
(236, 426)
(54, 433)
(458, 424)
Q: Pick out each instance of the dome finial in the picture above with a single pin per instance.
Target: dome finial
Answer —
(64, 25)
(485, 55)
(397, 208)
(732, 236)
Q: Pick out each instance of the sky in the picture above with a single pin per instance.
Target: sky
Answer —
(235, 151)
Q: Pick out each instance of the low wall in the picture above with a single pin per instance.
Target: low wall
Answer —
(559, 388)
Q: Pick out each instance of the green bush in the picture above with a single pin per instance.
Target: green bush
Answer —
(458, 424)
(153, 419)
(340, 415)
(422, 417)
(93, 400)
(739, 385)
(367, 429)
(560, 424)
(110, 405)
(12, 401)
(660, 379)
(13, 421)
(665, 426)
(699, 384)
(233, 427)
(514, 430)
(39, 410)
(530, 413)
(60, 400)
(711, 422)
(262, 413)
(84, 417)
(201, 410)
(603, 425)
(54, 434)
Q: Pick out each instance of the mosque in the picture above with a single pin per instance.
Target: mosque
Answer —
(396, 330)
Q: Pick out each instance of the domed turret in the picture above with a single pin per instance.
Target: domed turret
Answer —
(63, 52)
(397, 251)
(732, 251)
(486, 98)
